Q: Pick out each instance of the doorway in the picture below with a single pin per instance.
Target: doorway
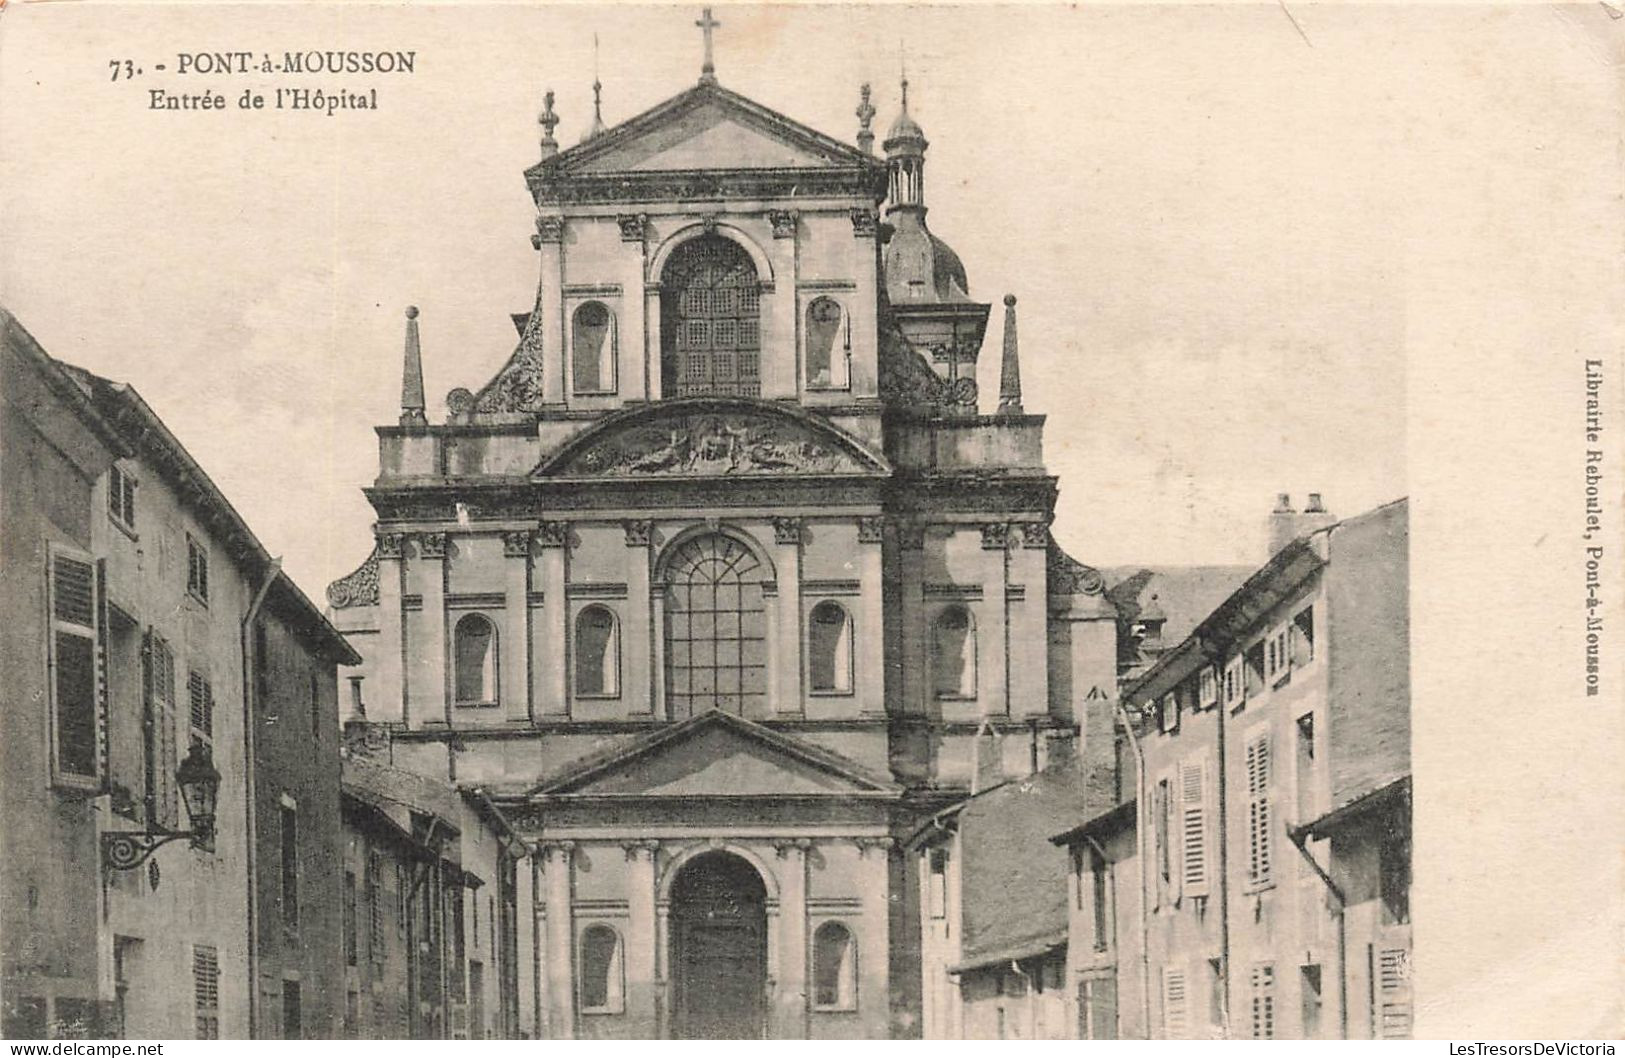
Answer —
(719, 949)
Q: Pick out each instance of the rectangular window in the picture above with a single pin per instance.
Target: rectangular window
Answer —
(1215, 996)
(74, 671)
(1261, 997)
(1235, 684)
(1253, 669)
(292, 1016)
(1098, 879)
(197, 569)
(1260, 818)
(290, 867)
(356, 705)
(1168, 713)
(206, 991)
(1310, 998)
(1391, 993)
(1394, 876)
(938, 893)
(349, 923)
(1175, 1022)
(160, 721)
(1277, 655)
(1303, 636)
(1306, 767)
(1193, 813)
(121, 497)
(1207, 687)
(1097, 1008)
(352, 1015)
(1162, 808)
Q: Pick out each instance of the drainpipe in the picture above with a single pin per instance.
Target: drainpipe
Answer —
(1140, 853)
(245, 640)
(1212, 657)
(1298, 837)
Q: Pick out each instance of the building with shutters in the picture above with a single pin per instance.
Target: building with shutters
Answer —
(729, 578)
(171, 629)
(1253, 878)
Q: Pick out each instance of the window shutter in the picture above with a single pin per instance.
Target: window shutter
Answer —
(1391, 977)
(161, 730)
(1263, 1001)
(1193, 818)
(1175, 1023)
(1259, 814)
(74, 671)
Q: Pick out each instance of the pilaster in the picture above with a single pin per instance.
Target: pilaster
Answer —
(389, 685)
(554, 538)
(874, 939)
(780, 330)
(558, 866)
(993, 638)
(633, 332)
(642, 969)
(911, 617)
(550, 302)
(514, 649)
(1029, 634)
(790, 1015)
(786, 646)
(638, 642)
(432, 703)
(869, 638)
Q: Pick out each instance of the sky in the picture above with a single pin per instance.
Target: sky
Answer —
(1205, 213)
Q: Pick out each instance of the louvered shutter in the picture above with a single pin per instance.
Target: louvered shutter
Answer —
(161, 730)
(74, 672)
(1259, 814)
(1391, 983)
(1262, 994)
(1175, 1020)
(1193, 827)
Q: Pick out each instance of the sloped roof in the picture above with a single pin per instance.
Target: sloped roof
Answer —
(1183, 594)
(1014, 881)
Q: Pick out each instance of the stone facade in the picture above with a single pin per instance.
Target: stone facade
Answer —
(724, 580)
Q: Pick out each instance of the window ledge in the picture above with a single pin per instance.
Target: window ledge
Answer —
(492, 704)
(818, 693)
(835, 1008)
(599, 698)
(127, 530)
(201, 600)
(955, 697)
(603, 1010)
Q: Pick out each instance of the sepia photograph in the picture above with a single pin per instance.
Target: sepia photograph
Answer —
(803, 522)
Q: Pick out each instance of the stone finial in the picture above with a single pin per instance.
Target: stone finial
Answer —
(412, 402)
(1010, 370)
(866, 114)
(549, 121)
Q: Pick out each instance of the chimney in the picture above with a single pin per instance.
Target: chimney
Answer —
(1286, 525)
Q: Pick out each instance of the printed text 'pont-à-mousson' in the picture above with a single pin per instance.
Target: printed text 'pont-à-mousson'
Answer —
(282, 79)
(1591, 534)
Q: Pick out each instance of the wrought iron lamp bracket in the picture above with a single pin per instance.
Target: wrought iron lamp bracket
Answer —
(125, 850)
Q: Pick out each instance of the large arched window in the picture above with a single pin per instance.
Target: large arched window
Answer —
(592, 348)
(953, 654)
(603, 977)
(716, 636)
(598, 653)
(829, 649)
(829, 344)
(835, 968)
(710, 320)
(474, 651)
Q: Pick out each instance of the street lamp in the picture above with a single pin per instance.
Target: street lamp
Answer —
(199, 781)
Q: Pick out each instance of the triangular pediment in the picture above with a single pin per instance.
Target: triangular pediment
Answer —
(710, 437)
(707, 127)
(717, 755)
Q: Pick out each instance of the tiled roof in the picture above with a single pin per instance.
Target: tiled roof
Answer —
(1183, 594)
(1014, 882)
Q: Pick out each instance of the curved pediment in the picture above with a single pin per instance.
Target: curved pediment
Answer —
(710, 437)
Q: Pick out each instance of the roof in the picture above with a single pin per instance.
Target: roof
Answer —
(66, 388)
(1396, 794)
(1180, 595)
(1109, 822)
(1266, 588)
(395, 790)
(146, 434)
(1013, 881)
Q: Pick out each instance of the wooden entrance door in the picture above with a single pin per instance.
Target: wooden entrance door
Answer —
(719, 950)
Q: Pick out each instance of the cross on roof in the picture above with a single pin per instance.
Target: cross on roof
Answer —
(708, 72)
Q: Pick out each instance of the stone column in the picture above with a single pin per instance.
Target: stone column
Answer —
(662, 989)
(642, 968)
(430, 655)
(790, 1017)
(911, 615)
(559, 959)
(388, 692)
(651, 328)
(551, 692)
(632, 334)
(874, 938)
(869, 639)
(993, 637)
(550, 302)
(787, 645)
(637, 646)
(514, 651)
(660, 707)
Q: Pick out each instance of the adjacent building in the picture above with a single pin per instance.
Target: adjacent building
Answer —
(1252, 878)
(167, 636)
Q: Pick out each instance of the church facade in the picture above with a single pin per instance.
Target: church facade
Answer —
(728, 580)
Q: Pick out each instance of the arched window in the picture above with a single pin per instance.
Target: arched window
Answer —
(716, 628)
(835, 968)
(829, 344)
(592, 348)
(603, 980)
(598, 653)
(953, 654)
(829, 649)
(710, 320)
(474, 649)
